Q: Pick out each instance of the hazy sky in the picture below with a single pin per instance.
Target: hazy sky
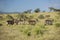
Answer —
(22, 5)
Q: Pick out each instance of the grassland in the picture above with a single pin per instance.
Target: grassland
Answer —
(30, 32)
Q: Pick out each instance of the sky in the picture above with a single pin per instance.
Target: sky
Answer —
(23, 5)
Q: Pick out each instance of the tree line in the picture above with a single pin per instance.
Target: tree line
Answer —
(37, 10)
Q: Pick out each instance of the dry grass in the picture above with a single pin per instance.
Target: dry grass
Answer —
(30, 32)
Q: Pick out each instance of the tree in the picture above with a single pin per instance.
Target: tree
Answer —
(51, 9)
(44, 11)
(37, 10)
(25, 12)
(54, 9)
(28, 11)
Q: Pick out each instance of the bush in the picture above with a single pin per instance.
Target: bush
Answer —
(40, 30)
(18, 16)
(29, 34)
(9, 17)
(57, 24)
(58, 13)
(23, 16)
(31, 17)
(27, 31)
(28, 11)
(47, 16)
(43, 11)
(25, 12)
(1, 17)
(1, 24)
(41, 17)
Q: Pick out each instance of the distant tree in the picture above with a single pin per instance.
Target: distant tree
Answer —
(51, 8)
(37, 10)
(44, 11)
(57, 10)
(25, 12)
(28, 11)
(54, 9)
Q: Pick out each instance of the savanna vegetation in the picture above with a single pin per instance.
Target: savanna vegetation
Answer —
(30, 26)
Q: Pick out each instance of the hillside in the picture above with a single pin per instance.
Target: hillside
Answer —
(39, 31)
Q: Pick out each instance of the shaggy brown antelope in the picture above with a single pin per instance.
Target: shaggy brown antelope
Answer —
(48, 22)
(11, 22)
(32, 21)
(16, 21)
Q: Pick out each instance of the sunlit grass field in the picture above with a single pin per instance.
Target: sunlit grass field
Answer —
(31, 32)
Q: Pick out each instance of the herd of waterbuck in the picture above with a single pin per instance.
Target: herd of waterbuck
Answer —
(28, 21)
(25, 20)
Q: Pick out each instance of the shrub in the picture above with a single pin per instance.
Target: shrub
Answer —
(47, 15)
(27, 31)
(1, 24)
(44, 11)
(31, 17)
(23, 16)
(28, 11)
(41, 17)
(58, 13)
(40, 30)
(57, 24)
(9, 17)
(25, 12)
(18, 16)
(29, 34)
(1, 17)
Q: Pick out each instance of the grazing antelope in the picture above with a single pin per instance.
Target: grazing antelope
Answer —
(48, 22)
(11, 22)
(32, 21)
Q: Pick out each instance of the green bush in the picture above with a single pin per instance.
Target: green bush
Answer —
(27, 32)
(41, 17)
(57, 24)
(40, 30)
(58, 13)
(9, 17)
(47, 16)
(1, 17)
(44, 11)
